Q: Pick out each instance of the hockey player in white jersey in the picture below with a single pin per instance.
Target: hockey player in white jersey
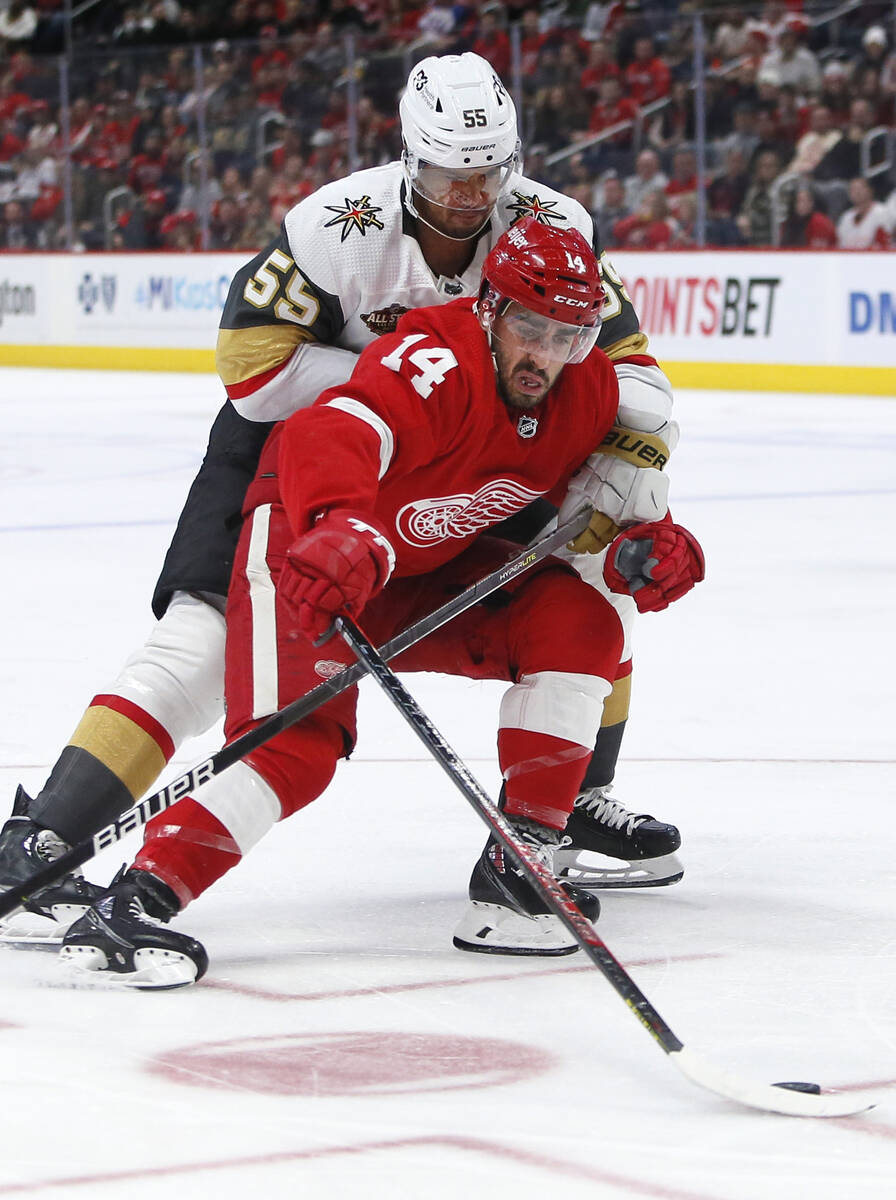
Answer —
(347, 261)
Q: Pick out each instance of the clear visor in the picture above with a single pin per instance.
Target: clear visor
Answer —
(542, 337)
(461, 188)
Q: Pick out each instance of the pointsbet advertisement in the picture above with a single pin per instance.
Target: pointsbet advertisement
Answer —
(775, 320)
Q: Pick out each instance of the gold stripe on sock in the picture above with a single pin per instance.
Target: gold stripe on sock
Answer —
(121, 745)
(617, 703)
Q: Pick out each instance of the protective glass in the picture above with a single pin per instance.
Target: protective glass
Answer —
(461, 188)
(538, 335)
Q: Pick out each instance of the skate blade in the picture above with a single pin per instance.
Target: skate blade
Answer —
(31, 943)
(26, 930)
(156, 970)
(494, 929)
(585, 870)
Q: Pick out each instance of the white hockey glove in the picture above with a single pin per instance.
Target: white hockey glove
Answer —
(624, 483)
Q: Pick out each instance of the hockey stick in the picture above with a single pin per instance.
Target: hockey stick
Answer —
(297, 711)
(791, 1099)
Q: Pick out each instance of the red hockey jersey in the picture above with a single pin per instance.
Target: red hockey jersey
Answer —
(420, 437)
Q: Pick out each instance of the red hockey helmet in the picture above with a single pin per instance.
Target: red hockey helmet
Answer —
(550, 272)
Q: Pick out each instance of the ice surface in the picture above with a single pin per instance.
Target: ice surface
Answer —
(339, 1046)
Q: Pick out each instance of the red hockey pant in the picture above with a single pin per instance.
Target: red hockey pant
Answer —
(546, 626)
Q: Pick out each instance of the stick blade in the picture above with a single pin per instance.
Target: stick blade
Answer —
(767, 1097)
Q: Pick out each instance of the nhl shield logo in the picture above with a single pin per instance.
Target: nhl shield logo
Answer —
(526, 426)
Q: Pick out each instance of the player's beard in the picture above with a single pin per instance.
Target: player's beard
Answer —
(516, 385)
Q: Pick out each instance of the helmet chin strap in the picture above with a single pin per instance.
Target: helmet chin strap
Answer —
(489, 334)
(467, 237)
(487, 330)
(489, 337)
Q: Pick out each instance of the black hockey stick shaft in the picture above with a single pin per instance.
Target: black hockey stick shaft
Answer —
(541, 878)
(297, 711)
(799, 1099)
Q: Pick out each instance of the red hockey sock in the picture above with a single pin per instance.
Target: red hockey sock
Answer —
(187, 848)
(542, 774)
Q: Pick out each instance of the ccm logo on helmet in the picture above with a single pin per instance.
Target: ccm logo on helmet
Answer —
(569, 300)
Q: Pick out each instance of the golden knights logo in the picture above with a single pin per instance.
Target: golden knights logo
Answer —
(533, 206)
(357, 214)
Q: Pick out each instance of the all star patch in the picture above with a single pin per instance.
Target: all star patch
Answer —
(357, 214)
(533, 206)
(383, 320)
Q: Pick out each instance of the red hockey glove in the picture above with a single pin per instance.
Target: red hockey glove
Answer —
(655, 563)
(343, 560)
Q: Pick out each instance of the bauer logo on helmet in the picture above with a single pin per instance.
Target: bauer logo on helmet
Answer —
(453, 184)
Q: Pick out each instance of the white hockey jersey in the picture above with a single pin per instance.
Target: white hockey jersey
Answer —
(343, 267)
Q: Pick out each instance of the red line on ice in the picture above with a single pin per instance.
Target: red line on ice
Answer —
(557, 1167)
(390, 988)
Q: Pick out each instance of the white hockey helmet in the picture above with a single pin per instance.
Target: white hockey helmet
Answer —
(457, 117)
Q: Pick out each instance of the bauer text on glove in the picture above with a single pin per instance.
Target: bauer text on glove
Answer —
(623, 481)
(655, 563)
(343, 560)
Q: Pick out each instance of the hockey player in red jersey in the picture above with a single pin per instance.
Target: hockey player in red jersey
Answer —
(378, 500)
(347, 259)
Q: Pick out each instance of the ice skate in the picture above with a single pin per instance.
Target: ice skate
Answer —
(121, 941)
(26, 848)
(506, 915)
(610, 847)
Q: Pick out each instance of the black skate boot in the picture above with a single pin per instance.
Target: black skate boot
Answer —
(26, 848)
(506, 915)
(121, 938)
(600, 826)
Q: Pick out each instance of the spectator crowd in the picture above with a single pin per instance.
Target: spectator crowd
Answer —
(161, 124)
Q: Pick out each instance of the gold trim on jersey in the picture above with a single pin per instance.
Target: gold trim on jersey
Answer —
(635, 343)
(241, 354)
(122, 746)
